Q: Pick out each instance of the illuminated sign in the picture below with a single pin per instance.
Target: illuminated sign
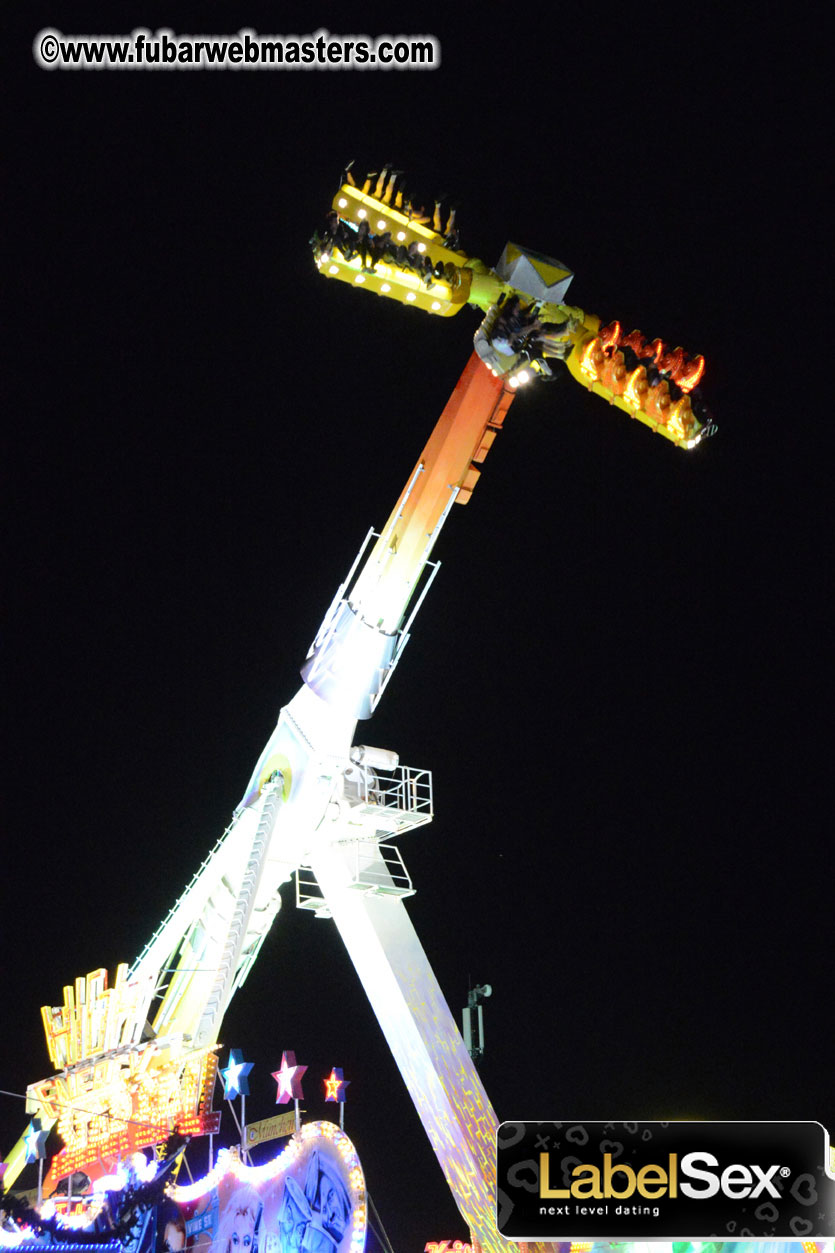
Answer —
(116, 1092)
(310, 1197)
(447, 1246)
(274, 1128)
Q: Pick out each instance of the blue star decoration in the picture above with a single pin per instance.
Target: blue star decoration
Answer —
(35, 1141)
(335, 1085)
(289, 1079)
(235, 1081)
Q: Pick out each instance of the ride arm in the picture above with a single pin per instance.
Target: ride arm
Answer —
(360, 641)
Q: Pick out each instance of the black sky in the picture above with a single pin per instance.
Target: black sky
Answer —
(620, 675)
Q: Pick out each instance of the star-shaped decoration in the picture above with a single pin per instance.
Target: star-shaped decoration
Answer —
(289, 1079)
(35, 1141)
(335, 1085)
(235, 1081)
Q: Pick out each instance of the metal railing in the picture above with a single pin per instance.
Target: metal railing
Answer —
(375, 870)
(404, 791)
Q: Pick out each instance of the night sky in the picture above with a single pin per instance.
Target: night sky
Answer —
(619, 677)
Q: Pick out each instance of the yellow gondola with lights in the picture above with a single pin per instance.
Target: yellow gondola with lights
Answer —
(444, 297)
(389, 250)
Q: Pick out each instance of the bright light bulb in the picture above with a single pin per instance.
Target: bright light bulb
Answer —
(401, 235)
(411, 296)
(333, 269)
(386, 287)
(381, 225)
(361, 213)
(436, 304)
(421, 247)
(522, 376)
(360, 278)
(342, 202)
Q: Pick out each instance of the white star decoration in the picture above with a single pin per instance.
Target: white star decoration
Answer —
(235, 1075)
(35, 1141)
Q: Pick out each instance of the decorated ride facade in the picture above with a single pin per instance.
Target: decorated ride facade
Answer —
(307, 1197)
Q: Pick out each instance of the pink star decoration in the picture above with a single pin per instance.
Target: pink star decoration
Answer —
(289, 1079)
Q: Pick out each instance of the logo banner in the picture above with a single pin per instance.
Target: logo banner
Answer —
(664, 1180)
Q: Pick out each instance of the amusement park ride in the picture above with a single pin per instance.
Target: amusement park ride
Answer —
(136, 1058)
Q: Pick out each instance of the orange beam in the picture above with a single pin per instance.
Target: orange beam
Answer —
(446, 471)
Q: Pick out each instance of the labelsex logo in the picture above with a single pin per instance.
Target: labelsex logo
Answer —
(695, 1176)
